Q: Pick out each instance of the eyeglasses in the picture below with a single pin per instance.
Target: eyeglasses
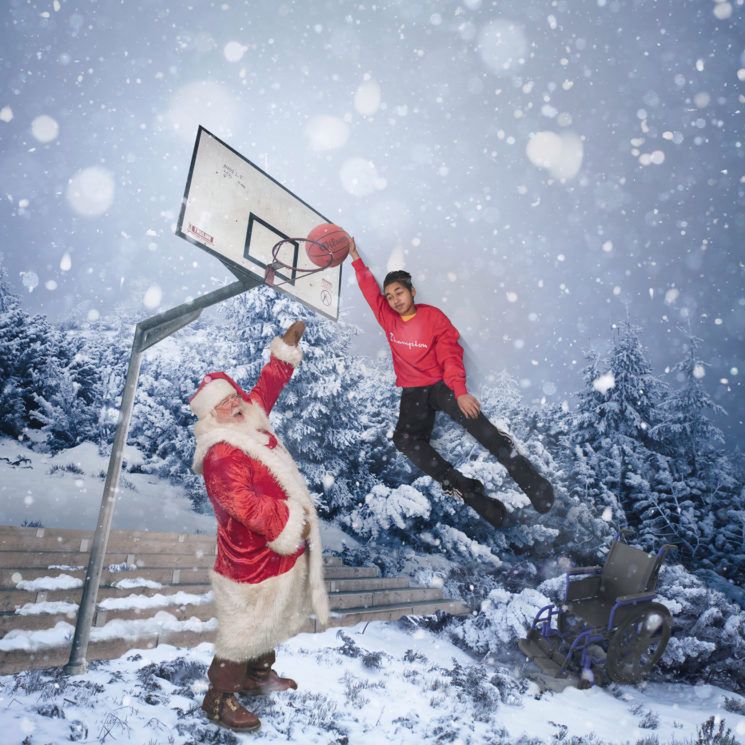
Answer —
(228, 400)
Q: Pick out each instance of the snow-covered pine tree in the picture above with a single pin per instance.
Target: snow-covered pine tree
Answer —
(60, 414)
(12, 319)
(632, 401)
(586, 422)
(615, 419)
(31, 354)
(593, 470)
(66, 392)
(701, 469)
(108, 343)
(374, 459)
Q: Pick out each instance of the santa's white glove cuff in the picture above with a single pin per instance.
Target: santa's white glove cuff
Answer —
(286, 352)
(290, 539)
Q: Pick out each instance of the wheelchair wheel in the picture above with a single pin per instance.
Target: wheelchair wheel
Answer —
(639, 642)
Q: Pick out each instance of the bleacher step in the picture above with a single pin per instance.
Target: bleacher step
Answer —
(180, 564)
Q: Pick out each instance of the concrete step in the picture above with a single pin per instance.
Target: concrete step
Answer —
(338, 601)
(9, 578)
(12, 662)
(352, 616)
(65, 533)
(164, 559)
(374, 598)
(10, 600)
(130, 541)
(144, 548)
(180, 563)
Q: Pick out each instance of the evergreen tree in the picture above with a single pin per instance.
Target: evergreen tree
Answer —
(594, 477)
(30, 353)
(586, 422)
(704, 473)
(616, 447)
(632, 401)
(12, 407)
(65, 392)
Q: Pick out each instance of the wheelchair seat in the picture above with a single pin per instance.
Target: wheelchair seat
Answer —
(627, 571)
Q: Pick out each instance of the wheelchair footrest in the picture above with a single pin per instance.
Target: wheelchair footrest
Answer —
(540, 652)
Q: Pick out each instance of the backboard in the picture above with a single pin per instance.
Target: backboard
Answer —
(238, 212)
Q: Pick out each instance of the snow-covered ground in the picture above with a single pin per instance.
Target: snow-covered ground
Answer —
(374, 684)
(64, 491)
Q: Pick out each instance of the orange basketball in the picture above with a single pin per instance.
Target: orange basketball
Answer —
(334, 246)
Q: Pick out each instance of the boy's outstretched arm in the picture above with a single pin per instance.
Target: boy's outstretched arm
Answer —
(369, 286)
(353, 252)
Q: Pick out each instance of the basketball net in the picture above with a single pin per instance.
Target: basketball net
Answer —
(271, 269)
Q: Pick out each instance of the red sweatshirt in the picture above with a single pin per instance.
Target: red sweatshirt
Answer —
(425, 348)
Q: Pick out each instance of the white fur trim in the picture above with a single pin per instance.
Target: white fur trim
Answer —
(286, 352)
(210, 395)
(287, 542)
(255, 419)
(252, 619)
(283, 469)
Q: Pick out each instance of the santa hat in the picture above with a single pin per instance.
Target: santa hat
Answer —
(214, 388)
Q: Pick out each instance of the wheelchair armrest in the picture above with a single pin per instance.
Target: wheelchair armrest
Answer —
(623, 606)
(582, 587)
(635, 598)
(584, 570)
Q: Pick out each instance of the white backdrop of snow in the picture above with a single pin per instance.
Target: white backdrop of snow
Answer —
(90, 192)
(502, 46)
(44, 128)
(360, 177)
(204, 102)
(367, 98)
(325, 132)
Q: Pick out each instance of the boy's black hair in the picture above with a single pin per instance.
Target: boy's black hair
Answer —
(400, 276)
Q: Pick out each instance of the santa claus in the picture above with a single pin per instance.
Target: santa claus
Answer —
(268, 574)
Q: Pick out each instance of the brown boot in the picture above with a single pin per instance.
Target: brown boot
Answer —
(220, 704)
(223, 709)
(261, 679)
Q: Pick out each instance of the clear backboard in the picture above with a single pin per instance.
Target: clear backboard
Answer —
(238, 212)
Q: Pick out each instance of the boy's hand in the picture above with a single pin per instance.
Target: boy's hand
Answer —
(353, 251)
(293, 334)
(469, 405)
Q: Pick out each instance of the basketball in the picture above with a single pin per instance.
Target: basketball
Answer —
(334, 246)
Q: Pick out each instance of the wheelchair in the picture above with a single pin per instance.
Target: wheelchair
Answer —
(608, 626)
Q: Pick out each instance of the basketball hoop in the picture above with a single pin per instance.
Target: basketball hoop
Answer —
(276, 264)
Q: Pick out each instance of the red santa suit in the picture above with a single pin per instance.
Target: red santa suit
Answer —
(266, 579)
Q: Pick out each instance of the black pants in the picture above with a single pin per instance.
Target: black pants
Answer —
(416, 419)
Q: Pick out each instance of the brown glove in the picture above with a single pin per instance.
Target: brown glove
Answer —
(293, 334)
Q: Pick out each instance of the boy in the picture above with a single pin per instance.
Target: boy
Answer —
(428, 362)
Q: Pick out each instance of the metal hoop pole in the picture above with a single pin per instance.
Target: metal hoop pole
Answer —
(147, 333)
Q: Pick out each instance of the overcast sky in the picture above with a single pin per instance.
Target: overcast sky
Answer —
(541, 167)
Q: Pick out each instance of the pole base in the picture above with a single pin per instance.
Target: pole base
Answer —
(76, 668)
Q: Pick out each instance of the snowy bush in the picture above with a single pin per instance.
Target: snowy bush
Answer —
(386, 508)
(503, 618)
(708, 631)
